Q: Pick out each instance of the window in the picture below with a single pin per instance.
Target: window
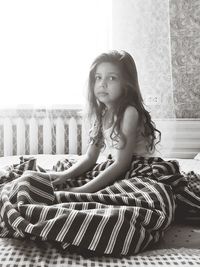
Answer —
(46, 49)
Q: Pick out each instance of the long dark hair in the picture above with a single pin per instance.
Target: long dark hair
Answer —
(131, 97)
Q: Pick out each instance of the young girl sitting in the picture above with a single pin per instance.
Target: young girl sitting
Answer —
(122, 127)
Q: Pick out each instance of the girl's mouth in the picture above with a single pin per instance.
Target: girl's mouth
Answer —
(102, 94)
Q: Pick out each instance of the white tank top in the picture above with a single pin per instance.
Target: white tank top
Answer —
(140, 145)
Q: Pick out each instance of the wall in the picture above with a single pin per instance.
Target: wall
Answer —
(185, 44)
(142, 28)
(158, 33)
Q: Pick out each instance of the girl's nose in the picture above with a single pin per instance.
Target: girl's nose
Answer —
(103, 82)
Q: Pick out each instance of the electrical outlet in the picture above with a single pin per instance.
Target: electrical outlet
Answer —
(152, 100)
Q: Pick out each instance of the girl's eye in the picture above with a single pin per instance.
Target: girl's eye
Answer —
(97, 78)
(112, 78)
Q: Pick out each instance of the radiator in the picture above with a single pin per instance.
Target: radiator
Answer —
(63, 131)
(41, 131)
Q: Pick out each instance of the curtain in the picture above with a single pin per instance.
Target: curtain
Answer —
(46, 49)
(142, 27)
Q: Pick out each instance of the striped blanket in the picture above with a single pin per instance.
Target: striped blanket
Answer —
(122, 219)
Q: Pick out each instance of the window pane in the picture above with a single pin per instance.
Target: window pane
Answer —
(46, 48)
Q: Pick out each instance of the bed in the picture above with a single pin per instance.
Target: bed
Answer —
(178, 246)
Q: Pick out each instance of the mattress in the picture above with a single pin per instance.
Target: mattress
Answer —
(179, 246)
(20, 253)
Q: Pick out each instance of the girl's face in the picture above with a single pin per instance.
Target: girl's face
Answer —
(108, 84)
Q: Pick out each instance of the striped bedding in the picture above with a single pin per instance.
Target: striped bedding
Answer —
(124, 218)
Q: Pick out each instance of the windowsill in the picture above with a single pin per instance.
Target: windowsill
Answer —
(40, 106)
(41, 111)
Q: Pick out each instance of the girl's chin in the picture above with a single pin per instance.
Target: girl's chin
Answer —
(107, 104)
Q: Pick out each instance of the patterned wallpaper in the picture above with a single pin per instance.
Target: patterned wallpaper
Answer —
(163, 36)
(185, 49)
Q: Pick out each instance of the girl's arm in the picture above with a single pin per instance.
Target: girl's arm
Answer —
(123, 158)
(85, 163)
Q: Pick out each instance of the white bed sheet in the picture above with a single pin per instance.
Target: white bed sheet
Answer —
(187, 165)
(48, 160)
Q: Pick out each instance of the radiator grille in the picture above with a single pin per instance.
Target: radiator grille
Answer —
(24, 132)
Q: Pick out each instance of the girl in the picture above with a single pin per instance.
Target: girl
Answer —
(122, 126)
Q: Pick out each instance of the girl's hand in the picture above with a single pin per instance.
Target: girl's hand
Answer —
(57, 178)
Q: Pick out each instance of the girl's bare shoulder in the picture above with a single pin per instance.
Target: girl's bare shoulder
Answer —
(130, 119)
(131, 114)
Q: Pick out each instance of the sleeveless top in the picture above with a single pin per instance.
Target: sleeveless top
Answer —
(139, 150)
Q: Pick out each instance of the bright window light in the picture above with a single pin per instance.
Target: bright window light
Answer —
(46, 48)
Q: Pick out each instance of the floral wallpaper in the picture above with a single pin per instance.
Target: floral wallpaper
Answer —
(185, 51)
(163, 36)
